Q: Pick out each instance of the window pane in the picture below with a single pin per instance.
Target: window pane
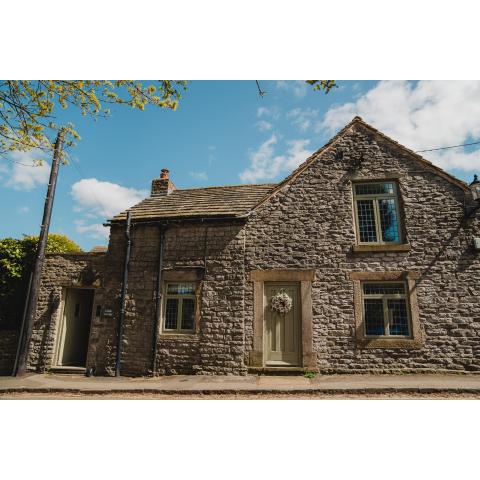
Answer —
(388, 220)
(374, 188)
(188, 313)
(374, 317)
(383, 288)
(181, 288)
(366, 221)
(171, 314)
(398, 318)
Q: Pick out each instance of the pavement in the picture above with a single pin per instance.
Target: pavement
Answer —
(251, 384)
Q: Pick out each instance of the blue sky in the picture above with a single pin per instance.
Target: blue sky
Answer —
(224, 133)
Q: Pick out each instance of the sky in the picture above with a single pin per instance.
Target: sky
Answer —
(224, 133)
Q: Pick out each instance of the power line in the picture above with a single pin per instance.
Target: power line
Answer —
(20, 163)
(80, 174)
(444, 148)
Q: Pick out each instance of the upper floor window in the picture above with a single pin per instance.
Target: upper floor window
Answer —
(179, 307)
(376, 212)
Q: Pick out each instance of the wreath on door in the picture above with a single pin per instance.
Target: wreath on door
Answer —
(281, 302)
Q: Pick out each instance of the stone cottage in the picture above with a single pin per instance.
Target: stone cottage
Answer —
(365, 259)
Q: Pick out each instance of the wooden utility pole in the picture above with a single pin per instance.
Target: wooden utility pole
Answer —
(26, 333)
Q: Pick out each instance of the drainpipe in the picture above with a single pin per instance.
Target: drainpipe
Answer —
(122, 298)
(158, 295)
(205, 251)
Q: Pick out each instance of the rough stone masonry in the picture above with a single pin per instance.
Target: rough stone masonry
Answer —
(304, 223)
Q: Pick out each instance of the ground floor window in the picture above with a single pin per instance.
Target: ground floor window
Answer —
(179, 307)
(385, 309)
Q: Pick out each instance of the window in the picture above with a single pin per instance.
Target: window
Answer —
(179, 307)
(376, 212)
(385, 309)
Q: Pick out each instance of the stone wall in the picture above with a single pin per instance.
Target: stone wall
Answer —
(60, 271)
(217, 347)
(309, 224)
(8, 349)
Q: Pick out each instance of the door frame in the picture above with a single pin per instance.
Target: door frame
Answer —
(59, 336)
(304, 278)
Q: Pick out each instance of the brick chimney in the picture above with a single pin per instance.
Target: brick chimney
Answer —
(163, 185)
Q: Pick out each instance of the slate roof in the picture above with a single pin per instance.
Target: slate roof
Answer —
(229, 201)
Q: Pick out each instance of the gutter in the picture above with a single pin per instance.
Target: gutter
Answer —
(158, 296)
(121, 320)
(173, 220)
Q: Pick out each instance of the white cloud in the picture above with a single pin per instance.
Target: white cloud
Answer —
(428, 114)
(273, 112)
(23, 174)
(94, 230)
(298, 87)
(263, 125)
(202, 176)
(104, 198)
(3, 169)
(23, 209)
(262, 111)
(265, 165)
(302, 117)
(211, 153)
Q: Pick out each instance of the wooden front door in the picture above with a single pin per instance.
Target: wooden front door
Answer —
(282, 331)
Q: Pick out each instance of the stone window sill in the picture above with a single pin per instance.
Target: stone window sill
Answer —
(365, 342)
(402, 247)
(189, 337)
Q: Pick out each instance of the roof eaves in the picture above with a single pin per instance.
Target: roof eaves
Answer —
(166, 219)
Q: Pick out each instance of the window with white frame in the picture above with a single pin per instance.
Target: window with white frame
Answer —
(376, 212)
(179, 307)
(385, 309)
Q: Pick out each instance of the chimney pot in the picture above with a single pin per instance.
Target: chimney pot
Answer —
(164, 174)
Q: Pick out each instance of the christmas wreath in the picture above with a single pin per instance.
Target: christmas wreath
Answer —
(281, 303)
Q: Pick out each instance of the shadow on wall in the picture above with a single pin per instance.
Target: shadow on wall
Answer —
(46, 331)
(8, 349)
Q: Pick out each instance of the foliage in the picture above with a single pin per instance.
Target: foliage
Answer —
(16, 261)
(325, 85)
(310, 375)
(56, 243)
(27, 107)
